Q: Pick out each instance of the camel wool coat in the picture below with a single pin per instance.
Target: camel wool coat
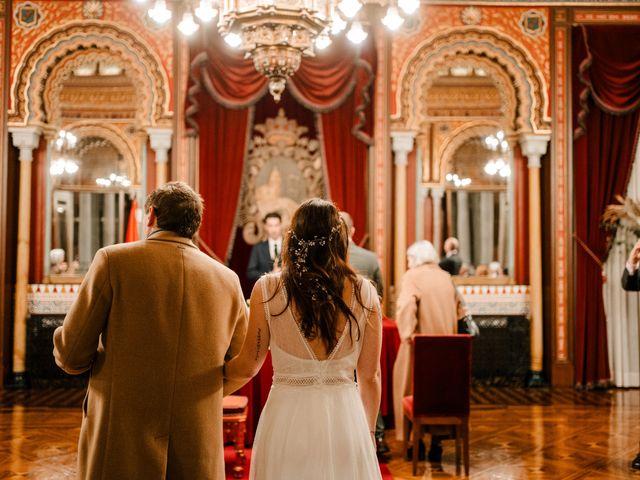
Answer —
(428, 303)
(154, 321)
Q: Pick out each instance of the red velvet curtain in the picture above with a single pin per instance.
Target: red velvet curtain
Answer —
(606, 95)
(223, 143)
(223, 85)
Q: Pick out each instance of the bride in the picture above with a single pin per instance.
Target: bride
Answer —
(323, 325)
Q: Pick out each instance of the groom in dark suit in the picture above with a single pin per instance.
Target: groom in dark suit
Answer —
(265, 256)
(631, 283)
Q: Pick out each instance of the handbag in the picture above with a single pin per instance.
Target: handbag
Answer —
(469, 326)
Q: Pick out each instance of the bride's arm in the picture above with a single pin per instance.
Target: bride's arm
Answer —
(240, 369)
(368, 368)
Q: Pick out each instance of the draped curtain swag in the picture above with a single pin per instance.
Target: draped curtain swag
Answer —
(223, 89)
(606, 97)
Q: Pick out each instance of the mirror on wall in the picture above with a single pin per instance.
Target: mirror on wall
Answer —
(479, 201)
(90, 201)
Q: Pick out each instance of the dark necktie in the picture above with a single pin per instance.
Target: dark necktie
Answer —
(275, 251)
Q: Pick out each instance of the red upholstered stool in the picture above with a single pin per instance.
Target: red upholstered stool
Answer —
(234, 419)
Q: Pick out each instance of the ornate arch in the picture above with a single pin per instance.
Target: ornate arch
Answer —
(119, 140)
(37, 65)
(459, 136)
(500, 77)
(46, 108)
(503, 51)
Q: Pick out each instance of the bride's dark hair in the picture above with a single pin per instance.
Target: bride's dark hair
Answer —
(315, 269)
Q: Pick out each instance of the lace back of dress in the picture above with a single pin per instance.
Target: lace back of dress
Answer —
(292, 355)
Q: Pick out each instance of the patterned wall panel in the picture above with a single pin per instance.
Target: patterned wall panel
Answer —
(52, 15)
(527, 27)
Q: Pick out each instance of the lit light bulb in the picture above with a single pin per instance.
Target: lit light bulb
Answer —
(392, 19)
(490, 168)
(409, 6)
(160, 13)
(504, 145)
(187, 26)
(356, 34)
(323, 41)
(350, 7)
(233, 39)
(500, 163)
(205, 11)
(449, 177)
(71, 167)
(337, 23)
(505, 171)
(57, 168)
(500, 135)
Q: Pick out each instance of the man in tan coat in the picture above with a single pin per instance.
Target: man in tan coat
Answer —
(154, 321)
(428, 303)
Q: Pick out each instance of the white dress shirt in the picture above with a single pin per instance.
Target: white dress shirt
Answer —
(277, 242)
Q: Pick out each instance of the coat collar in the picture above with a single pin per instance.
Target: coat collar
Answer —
(169, 236)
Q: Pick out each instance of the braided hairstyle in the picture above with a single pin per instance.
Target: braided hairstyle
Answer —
(315, 269)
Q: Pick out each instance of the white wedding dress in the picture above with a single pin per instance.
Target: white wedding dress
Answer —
(313, 426)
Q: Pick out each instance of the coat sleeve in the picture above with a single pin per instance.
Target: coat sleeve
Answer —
(631, 283)
(407, 309)
(76, 341)
(241, 320)
(377, 278)
(253, 269)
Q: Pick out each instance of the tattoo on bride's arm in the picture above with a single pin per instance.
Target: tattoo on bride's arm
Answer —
(258, 344)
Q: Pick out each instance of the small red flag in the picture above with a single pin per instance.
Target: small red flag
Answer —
(132, 224)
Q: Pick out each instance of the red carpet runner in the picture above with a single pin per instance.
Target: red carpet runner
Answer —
(230, 456)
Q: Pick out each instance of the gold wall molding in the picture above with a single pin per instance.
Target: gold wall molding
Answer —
(74, 38)
(504, 53)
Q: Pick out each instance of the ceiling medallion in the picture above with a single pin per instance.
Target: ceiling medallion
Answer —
(471, 16)
(92, 9)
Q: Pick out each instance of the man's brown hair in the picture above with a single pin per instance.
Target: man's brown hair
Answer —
(178, 208)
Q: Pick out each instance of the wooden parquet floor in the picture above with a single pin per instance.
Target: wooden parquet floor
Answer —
(515, 434)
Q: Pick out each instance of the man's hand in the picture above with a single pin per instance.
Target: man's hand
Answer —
(634, 256)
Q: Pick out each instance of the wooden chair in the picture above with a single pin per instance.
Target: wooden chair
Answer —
(234, 420)
(441, 388)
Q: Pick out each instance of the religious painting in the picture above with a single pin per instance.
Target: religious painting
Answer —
(283, 168)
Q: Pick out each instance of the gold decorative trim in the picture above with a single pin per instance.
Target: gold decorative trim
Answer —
(482, 42)
(53, 84)
(34, 68)
(284, 168)
(459, 136)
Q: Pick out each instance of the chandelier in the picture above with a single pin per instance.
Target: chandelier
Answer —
(499, 166)
(65, 143)
(276, 34)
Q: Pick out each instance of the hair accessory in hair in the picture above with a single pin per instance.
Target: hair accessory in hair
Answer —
(301, 248)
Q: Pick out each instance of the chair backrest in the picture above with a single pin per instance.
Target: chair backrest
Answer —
(441, 374)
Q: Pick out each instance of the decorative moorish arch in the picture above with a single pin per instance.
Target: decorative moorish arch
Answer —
(503, 51)
(479, 128)
(123, 143)
(87, 36)
(503, 82)
(46, 107)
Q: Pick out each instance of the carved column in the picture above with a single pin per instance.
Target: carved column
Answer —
(462, 228)
(436, 195)
(423, 192)
(26, 139)
(160, 140)
(402, 145)
(486, 228)
(533, 147)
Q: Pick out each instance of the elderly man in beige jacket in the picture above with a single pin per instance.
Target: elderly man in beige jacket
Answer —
(154, 321)
(428, 303)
